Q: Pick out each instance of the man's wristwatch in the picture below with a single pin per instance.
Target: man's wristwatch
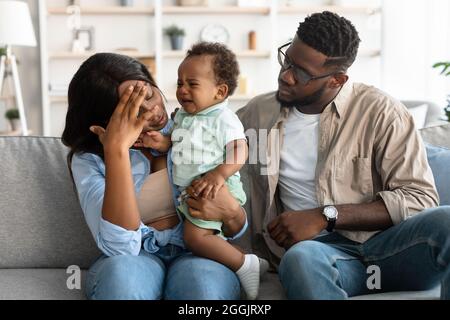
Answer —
(331, 214)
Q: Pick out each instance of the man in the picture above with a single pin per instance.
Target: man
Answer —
(343, 177)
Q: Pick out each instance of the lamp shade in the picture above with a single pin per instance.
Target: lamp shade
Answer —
(16, 27)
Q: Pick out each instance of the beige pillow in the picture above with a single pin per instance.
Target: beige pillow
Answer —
(438, 135)
(419, 114)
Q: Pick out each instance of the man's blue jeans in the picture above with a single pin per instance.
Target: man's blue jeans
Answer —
(172, 273)
(413, 255)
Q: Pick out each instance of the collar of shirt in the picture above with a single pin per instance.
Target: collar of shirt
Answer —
(167, 130)
(341, 101)
(209, 110)
(339, 104)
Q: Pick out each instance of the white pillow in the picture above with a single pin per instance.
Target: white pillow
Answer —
(419, 114)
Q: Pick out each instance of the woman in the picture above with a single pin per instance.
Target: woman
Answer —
(113, 99)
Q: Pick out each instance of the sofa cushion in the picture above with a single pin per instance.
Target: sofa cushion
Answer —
(439, 161)
(432, 294)
(419, 115)
(42, 225)
(38, 284)
(434, 111)
(437, 135)
(271, 288)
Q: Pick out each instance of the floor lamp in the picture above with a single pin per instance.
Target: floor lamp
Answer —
(16, 29)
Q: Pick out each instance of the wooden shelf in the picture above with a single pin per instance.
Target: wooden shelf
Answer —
(348, 9)
(85, 55)
(14, 133)
(216, 10)
(57, 98)
(369, 53)
(239, 54)
(105, 10)
(7, 98)
(179, 54)
(265, 54)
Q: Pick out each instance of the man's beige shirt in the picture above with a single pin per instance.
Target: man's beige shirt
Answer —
(368, 149)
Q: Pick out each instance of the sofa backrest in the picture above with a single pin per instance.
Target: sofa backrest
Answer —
(41, 222)
(433, 112)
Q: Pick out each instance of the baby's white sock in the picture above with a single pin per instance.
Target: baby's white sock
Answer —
(248, 274)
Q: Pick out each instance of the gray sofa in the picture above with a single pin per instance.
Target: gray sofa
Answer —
(42, 229)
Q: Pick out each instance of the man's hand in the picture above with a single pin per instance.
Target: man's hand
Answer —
(154, 140)
(294, 226)
(209, 185)
(223, 208)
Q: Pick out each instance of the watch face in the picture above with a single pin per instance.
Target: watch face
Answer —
(330, 212)
(215, 33)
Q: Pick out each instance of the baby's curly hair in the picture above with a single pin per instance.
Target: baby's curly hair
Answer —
(225, 65)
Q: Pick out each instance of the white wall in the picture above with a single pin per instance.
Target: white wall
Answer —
(417, 35)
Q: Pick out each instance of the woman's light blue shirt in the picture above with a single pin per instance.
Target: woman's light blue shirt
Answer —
(89, 175)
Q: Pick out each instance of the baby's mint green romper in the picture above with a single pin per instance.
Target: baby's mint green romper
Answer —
(198, 146)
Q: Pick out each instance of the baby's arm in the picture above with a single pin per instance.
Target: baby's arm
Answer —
(211, 182)
(154, 140)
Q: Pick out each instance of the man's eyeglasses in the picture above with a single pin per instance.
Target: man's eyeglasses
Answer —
(300, 74)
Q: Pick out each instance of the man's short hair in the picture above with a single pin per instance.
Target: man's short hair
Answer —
(332, 35)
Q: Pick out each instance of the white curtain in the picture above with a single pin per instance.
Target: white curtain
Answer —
(416, 35)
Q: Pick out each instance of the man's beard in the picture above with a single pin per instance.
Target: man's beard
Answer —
(311, 99)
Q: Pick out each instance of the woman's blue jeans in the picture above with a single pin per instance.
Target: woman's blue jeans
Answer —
(172, 273)
(413, 255)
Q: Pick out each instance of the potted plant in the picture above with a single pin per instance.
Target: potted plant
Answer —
(176, 35)
(14, 118)
(446, 72)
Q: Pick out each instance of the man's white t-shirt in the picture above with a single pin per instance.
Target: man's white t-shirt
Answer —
(298, 161)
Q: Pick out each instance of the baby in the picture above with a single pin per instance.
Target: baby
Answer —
(209, 149)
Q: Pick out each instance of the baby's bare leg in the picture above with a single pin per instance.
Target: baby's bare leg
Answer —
(204, 243)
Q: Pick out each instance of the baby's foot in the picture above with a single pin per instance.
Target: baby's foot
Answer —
(249, 274)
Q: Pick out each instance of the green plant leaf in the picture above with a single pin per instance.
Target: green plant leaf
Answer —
(439, 64)
(174, 30)
(11, 114)
(445, 65)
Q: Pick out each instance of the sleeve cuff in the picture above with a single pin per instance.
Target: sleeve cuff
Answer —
(244, 228)
(395, 203)
(114, 240)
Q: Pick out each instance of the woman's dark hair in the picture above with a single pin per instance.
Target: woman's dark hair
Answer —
(93, 97)
(225, 65)
(332, 35)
